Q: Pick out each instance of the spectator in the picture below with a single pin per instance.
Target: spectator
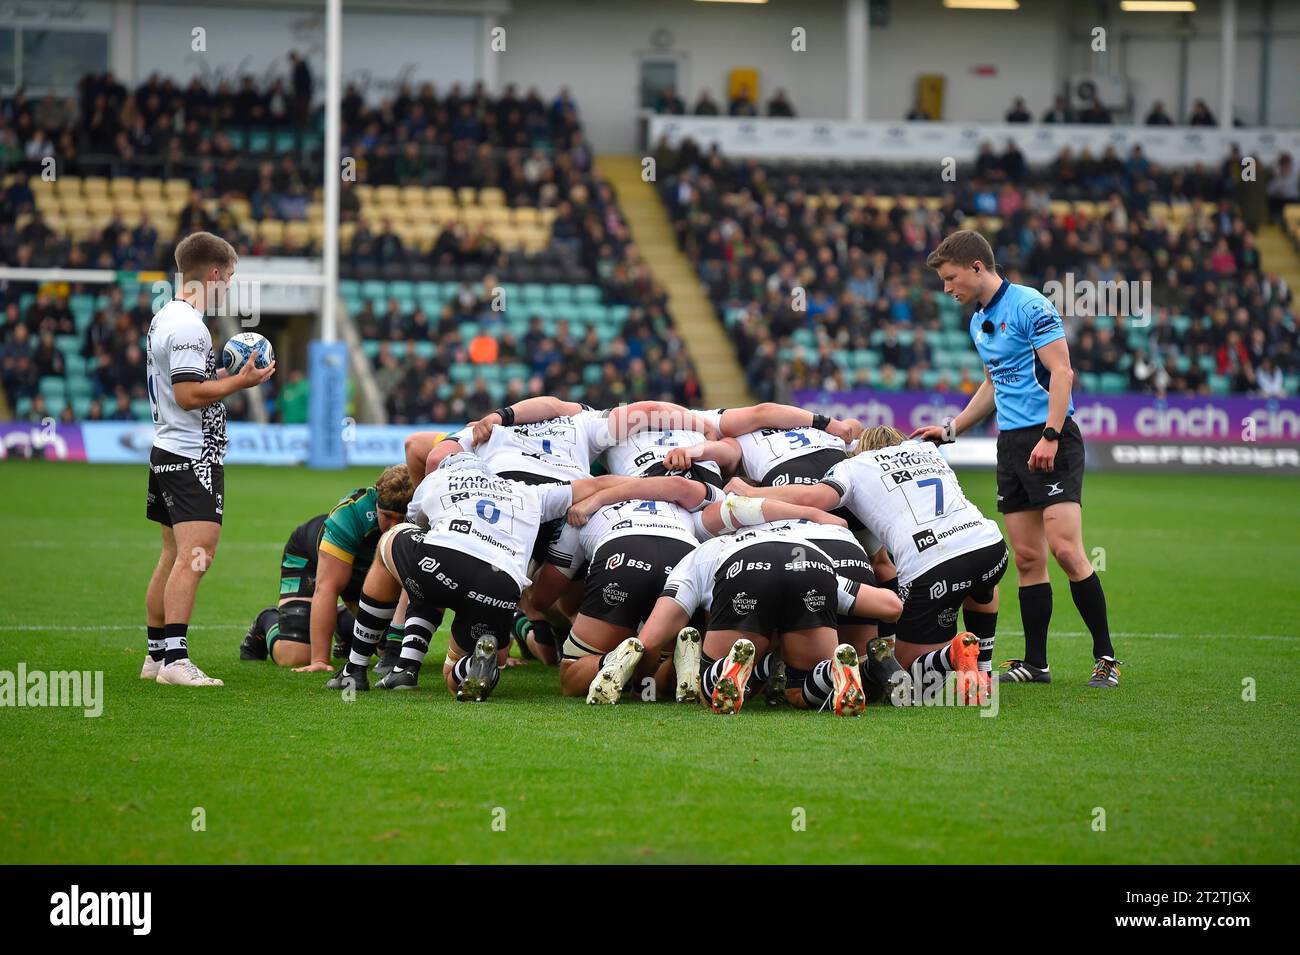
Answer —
(1201, 115)
(706, 105)
(1018, 112)
(778, 105)
(1158, 116)
(1060, 112)
(668, 102)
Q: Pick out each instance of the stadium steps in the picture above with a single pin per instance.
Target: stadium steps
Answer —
(1278, 255)
(721, 376)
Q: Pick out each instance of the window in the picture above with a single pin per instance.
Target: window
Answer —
(57, 59)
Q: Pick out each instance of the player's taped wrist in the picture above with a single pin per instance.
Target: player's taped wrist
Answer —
(507, 415)
(739, 511)
(821, 422)
(846, 595)
(949, 431)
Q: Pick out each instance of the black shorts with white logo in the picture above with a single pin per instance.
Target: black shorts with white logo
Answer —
(181, 489)
(774, 587)
(437, 576)
(1020, 489)
(712, 480)
(806, 469)
(931, 601)
(850, 561)
(626, 576)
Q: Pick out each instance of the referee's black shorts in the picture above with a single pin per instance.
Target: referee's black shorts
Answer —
(1020, 489)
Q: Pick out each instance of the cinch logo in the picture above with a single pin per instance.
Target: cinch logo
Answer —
(924, 540)
(103, 908)
(613, 562)
(734, 569)
(429, 565)
(938, 589)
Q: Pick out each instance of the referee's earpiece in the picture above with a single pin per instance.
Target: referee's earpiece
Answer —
(977, 266)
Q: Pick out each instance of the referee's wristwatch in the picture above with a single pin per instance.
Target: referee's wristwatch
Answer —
(1051, 434)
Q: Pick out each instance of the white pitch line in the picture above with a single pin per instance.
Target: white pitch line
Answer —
(112, 628)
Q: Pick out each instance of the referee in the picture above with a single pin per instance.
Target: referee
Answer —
(1027, 378)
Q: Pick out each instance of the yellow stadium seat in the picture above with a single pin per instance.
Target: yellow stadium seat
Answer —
(495, 214)
(491, 197)
(526, 215)
(272, 230)
(68, 185)
(388, 195)
(149, 187)
(122, 186)
(442, 195)
(94, 186)
(414, 195)
(466, 195)
(177, 188)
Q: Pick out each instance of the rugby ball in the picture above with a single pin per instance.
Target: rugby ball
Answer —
(244, 346)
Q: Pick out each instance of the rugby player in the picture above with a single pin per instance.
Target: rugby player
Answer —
(465, 547)
(186, 477)
(326, 560)
(1027, 379)
(761, 584)
(948, 554)
(630, 546)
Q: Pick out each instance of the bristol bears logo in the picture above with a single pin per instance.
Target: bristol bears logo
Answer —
(614, 562)
(938, 589)
(924, 540)
(429, 565)
(734, 569)
(781, 480)
(743, 603)
(814, 601)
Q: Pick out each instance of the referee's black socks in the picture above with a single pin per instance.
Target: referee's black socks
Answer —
(1091, 601)
(1036, 614)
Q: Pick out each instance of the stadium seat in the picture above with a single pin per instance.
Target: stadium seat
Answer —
(141, 409)
(51, 387)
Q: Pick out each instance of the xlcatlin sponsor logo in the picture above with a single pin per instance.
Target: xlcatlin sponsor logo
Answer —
(77, 908)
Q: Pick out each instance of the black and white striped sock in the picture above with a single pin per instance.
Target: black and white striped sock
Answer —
(985, 626)
(372, 620)
(936, 661)
(710, 673)
(761, 673)
(415, 643)
(818, 685)
(157, 643)
(461, 670)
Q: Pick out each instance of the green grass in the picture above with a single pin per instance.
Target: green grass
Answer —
(1201, 578)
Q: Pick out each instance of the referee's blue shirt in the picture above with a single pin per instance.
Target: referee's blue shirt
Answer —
(1023, 321)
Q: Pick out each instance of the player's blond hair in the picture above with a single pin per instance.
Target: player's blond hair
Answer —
(394, 487)
(882, 436)
(201, 251)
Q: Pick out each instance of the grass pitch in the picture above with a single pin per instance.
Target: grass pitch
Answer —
(1201, 579)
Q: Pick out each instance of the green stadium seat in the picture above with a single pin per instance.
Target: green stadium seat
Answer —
(445, 391)
(286, 141)
(424, 349)
(52, 386)
(401, 289)
(349, 288)
(1105, 321)
(81, 407)
(1220, 385)
(617, 314)
(1180, 323)
(54, 406)
(141, 409)
(533, 292)
(371, 349)
(398, 349)
(236, 137)
(373, 288)
(587, 293)
(516, 370)
(930, 379)
(1292, 384)
(79, 386)
(1113, 383)
(592, 374)
(68, 344)
(259, 141)
(1207, 363)
(1182, 364)
(1090, 382)
(462, 374)
(561, 294)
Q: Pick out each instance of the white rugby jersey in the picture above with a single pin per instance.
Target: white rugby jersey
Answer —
(814, 531)
(908, 496)
(763, 451)
(638, 453)
(180, 349)
(494, 519)
(558, 448)
(577, 545)
(691, 582)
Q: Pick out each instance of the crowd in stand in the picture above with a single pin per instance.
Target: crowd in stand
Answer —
(668, 102)
(532, 150)
(755, 239)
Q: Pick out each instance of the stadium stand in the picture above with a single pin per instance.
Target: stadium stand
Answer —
(453, 196)
(855, 237)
